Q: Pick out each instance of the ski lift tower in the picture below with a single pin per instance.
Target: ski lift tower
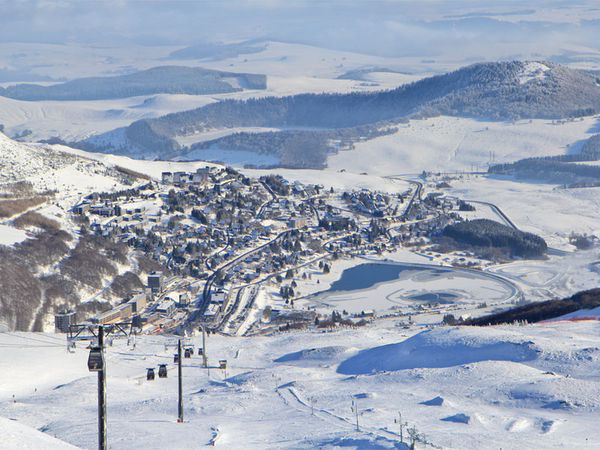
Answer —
(97, 363)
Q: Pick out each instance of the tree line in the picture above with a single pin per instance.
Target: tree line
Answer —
(538, 311)
(488, 233)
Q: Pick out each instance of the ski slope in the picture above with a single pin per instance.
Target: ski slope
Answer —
(511, 387)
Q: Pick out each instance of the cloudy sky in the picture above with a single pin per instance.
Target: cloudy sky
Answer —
(382, 27)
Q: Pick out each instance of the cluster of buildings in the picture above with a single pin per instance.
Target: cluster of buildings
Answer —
(375, 204)
(143, 307)
(196, 223)
(181, 179)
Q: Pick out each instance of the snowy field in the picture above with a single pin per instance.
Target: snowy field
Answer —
(290, 69)
(525, 387)
(451, 144)
(504, 387)
(545, 209)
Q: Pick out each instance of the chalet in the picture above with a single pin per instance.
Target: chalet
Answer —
(116, 221)
(297, 222)
(335, 223)
(130, 209)
(184, 300)
(125, 310)
(145, 319)
(218, 296)
(207, 170)
(180, 178)
(249, 276)
(113, 315)
(102, 210)
(167, 177)
(212, 311)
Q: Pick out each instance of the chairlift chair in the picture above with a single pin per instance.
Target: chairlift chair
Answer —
(188, 352)
(150, 375)
(176, 358)
(162, 371)
(200, 351)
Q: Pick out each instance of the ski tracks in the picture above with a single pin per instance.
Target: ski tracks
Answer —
(292, 399)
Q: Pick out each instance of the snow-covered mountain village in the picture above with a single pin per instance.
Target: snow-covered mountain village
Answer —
(299, 225)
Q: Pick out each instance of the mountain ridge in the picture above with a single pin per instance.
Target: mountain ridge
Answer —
(496, 91)
(157, 80)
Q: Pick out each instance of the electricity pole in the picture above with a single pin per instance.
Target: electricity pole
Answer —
(180, 408)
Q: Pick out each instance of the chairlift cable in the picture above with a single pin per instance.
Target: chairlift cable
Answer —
(31, 346)
(30, 338)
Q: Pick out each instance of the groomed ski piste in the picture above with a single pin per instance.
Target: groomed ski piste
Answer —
(510, 387)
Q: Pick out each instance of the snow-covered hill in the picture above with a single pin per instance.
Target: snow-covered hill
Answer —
(39, 186)
(511, 387)
(485, 91)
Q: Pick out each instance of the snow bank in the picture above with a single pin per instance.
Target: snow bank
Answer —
(438, 401)
(582, 314)
(18, 436)
(442, 347)
(458, 418)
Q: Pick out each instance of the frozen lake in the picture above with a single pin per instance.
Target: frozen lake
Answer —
(383, 285)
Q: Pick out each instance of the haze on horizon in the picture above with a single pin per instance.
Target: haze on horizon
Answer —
(469, 30)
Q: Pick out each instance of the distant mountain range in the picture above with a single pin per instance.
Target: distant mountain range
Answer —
(361, 74)
(492, 91)
(218, 51)
(158, 80)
